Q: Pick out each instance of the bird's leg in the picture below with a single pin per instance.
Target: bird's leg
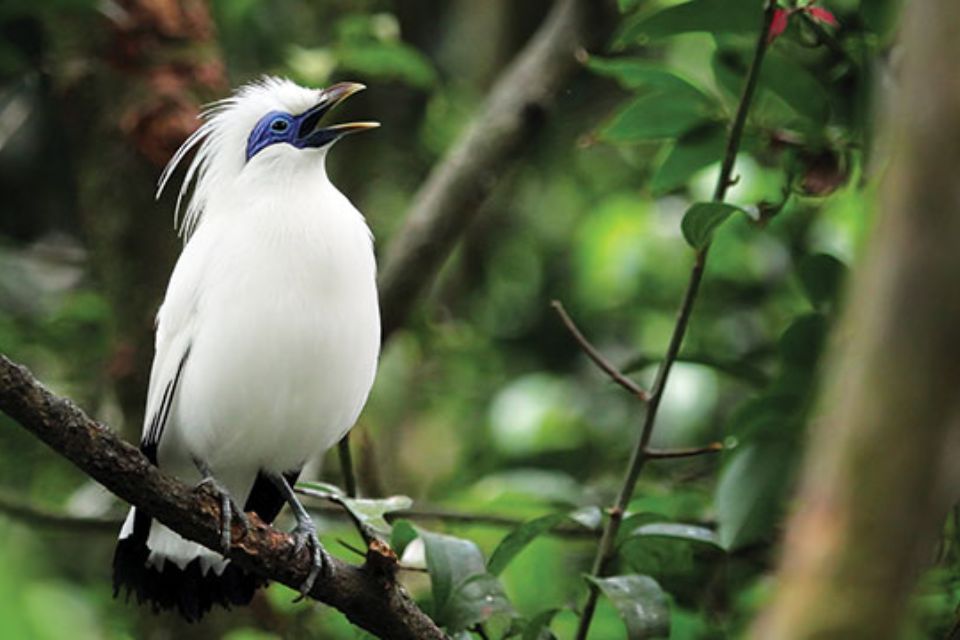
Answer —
(228, 506)
(305, 533)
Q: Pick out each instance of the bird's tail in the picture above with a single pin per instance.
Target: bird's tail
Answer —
(159, 567)
(163, 569)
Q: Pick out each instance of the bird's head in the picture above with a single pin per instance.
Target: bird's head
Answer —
(298, 129)
(265, 128)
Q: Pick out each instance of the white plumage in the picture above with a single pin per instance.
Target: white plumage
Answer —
(268, 336)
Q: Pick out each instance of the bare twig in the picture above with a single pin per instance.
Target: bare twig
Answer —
(639, 457)
(366, 597)
(691, 452)
(42, 517)
(598, 357)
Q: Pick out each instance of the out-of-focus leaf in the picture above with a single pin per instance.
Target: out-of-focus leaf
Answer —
(517, 540)
(680, 531)
(656, 116)
(712, 16)
(394, 60)
(801, 344)
(822, 278)
(635, 73)
(769, 415)
(628, 5)
(402, 534)
(371, 512)
(798, 89)
(473, 601)
(539, 626)
(641, 602)
(693, 151)
(702, 219)
(751, 490)
(323, 487)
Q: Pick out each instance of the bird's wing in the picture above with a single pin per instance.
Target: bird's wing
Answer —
(176, 323)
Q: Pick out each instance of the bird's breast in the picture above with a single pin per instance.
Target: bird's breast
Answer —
(287, 340)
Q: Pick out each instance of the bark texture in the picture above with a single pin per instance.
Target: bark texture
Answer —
(368, 595)
(882, 470)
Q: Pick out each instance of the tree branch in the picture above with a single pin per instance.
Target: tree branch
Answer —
(457, 187)
(597, 357)
(367, 595)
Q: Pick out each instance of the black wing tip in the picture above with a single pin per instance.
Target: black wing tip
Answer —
(188, 591)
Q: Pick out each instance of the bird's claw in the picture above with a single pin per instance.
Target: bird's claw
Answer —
(305, 535)
(228, 508)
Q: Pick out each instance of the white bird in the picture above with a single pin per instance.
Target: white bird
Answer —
(267, 339)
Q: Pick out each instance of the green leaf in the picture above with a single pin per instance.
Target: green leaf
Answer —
(539, 626)
(635, 73)
(801, 344)
(450, 562)
(403, 533)
(712, 16)
(751, 492)
(679, 531)
(641, 602)
(323, 487)
(371, 512)
(518, 539)
(656, 116)
(821, 276)
(694, 150)
(701, 219)
(394, 60)
(473, 601)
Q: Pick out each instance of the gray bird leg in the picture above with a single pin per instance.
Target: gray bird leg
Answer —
(305, 533)
(228, 506)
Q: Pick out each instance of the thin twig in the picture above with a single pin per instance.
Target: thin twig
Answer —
(43, 517)
(690, 452)
(598, 358)
(639, 457)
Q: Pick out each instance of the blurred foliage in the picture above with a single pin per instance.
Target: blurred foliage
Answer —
(483, 403)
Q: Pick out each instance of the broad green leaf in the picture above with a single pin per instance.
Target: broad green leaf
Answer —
(712, 16)
(657, 116)
(751, 492)
(801, 344)
(473, 601)
(822, 278)
(450, 562)
(635, 73)
(702, 219)
(769, 415)
(539, 626)
(641, 602)
(694, 150)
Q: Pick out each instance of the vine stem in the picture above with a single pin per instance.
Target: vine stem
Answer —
(641, 453)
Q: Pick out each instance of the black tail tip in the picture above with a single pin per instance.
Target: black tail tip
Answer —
(189, 591)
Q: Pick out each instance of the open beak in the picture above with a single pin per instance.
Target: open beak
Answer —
(308, 133)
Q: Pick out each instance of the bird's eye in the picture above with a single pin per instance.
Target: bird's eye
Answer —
(279, 125)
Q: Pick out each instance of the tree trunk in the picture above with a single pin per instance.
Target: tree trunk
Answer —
(883, 465)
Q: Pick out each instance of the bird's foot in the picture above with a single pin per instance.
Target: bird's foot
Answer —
(305, 534)
(228, 508)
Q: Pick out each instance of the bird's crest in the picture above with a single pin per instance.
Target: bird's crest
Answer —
(219, 143)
